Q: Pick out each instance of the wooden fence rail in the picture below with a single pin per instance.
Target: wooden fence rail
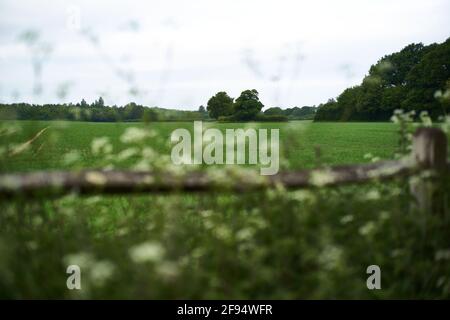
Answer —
(429, 152)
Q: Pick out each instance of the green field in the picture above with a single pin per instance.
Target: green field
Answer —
(270, 244)
(339, 143)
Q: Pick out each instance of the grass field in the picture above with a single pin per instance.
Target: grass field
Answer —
(339, 143)
(270, 244)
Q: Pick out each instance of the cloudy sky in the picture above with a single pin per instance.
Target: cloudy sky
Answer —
(178, 53)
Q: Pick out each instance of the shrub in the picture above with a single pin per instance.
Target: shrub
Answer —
(271, 118)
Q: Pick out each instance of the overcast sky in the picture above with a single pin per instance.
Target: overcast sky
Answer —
(178, 53)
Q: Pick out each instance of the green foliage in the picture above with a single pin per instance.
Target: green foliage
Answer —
(427, 77)
(83, 104)
(274, 111)
(133, 111)
(263, 117)
(150, 115)
(226, 119)
(247, 106)
(220, 105)
(329, 111)
(96, 112)
(100, 103)
(299, 141)
(272, 244)
(202, 110)
(296, 113)
(408, 79)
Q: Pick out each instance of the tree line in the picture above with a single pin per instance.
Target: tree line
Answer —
(415, 78)
(95, 112)
(247, 107)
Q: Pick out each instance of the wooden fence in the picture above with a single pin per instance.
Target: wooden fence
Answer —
(429, 153)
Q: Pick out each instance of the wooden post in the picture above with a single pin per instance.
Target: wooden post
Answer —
(430, 154)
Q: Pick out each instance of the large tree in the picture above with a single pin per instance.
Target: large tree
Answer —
(410, 79)
(427, 77)
(220, 105)
(247, 106)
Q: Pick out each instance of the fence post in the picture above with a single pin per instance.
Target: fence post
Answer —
(430, 154)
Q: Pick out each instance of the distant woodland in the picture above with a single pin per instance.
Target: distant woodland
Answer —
(220, 107)
(415, 78)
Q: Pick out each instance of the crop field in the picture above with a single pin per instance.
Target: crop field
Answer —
(270, 244)
(303, 144)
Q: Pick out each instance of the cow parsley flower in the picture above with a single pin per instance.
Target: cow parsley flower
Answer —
(146, 252)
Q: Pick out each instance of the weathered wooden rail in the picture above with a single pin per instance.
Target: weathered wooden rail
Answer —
(429, 153)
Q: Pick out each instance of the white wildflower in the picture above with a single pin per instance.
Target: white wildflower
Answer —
(146, 252)
(367, 229)
(330, 257)
(133, 135)
(321, 178)
(346, 219)
(167, 270)
(71, 157)
(101, 145)
(443, 254)
(127, 153)
(82, 259)
(142, 165)
(101, 271)
(372, 195)
(245, 234)
(148, 153)
(303, 195)
(96, 178)
(425, 118)
(223, 232)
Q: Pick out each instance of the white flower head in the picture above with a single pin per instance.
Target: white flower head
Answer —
(71, 157)
(146, 252)
(367, 229)
(101, 145)
(82, 259)
(127, 153)
(134, 135)
(101, 271)
(443, 254)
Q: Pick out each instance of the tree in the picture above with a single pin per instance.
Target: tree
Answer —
(220, 105)
(83, 104)
(348, 101)
(392, 69)
(369, 101)
(150, 115)
(328, 111)
(100, 103)
(247, 106)
(392, 99)
(133, 111)
(426, 78)
(274, 111)
(410, 79)
(201, 109)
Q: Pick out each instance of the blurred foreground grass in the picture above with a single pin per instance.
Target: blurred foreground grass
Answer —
(271, 244)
